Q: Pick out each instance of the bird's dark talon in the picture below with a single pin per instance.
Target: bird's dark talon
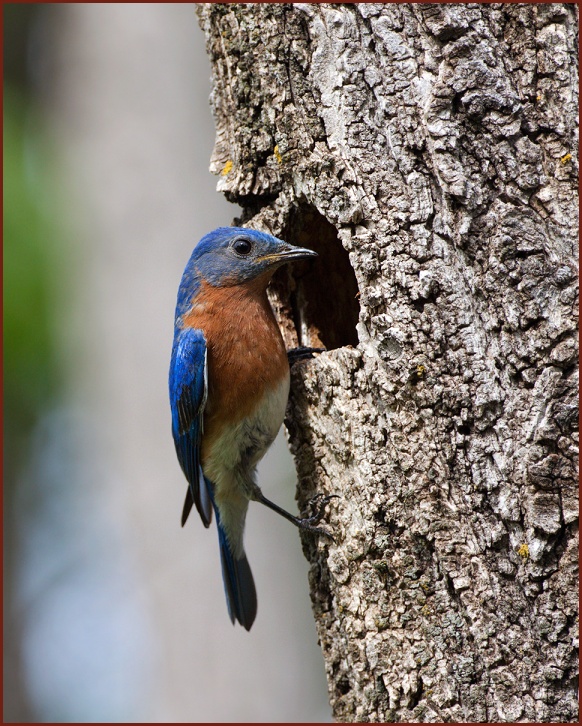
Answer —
(302, 524)
(323, 502)
(302, 353)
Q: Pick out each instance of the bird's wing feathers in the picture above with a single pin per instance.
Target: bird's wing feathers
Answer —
(188, 391)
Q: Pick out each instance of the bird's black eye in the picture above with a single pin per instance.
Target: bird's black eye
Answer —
(242, 246)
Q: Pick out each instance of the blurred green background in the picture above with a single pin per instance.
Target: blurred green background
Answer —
(34, 245)
(112, 612)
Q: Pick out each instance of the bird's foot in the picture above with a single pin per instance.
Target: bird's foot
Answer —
(302, 353)
(306, 523)
(322, 501)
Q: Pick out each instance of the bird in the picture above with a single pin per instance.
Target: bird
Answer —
(229, 383)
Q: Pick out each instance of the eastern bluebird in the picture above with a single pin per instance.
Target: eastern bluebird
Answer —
(229, 383)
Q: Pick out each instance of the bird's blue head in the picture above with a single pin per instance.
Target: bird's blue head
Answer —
(234, 256)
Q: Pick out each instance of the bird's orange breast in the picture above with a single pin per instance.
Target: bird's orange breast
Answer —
(246, 353)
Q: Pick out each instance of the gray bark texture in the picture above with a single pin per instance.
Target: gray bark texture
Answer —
(428, 153)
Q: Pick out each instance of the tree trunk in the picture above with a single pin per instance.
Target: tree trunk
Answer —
(428, 154)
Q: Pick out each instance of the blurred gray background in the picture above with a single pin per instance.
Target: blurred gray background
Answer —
(112, 611)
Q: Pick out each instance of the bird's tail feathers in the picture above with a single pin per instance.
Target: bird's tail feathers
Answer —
(202, 500)
(239, 585)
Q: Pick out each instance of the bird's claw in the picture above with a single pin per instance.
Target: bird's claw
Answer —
(322, 502)
(308, 523)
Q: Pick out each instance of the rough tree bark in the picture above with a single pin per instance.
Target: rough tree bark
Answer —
(428, 153)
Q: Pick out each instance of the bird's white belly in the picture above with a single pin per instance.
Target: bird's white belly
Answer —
(241, 445)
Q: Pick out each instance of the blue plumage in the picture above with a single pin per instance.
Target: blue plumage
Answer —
(188, 393)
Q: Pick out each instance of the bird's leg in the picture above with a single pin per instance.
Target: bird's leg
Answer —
(307, 523)
(302, 353)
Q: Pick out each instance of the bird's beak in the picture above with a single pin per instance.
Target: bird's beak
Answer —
(289, 252)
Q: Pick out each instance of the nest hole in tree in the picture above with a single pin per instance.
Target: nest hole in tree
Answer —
(317, 299)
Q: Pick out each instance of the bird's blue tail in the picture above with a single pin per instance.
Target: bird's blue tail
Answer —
(239, 585)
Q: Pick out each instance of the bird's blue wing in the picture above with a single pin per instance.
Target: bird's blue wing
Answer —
(188, 391)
